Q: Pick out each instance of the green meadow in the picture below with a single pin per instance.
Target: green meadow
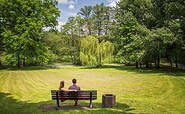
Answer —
(28, 90)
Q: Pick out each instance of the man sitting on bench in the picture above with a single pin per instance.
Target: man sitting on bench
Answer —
(74, 87)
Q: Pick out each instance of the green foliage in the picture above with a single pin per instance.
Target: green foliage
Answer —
(90, 20)
(22, 23)
(98, 17)
(62, 46)
(141, 9)
(128, 38)
(147, 31)
(86, 14)
(88, 48)
(159, 39)
(144, 31)
(94, 53)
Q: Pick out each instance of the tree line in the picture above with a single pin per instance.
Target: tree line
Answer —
(135, 31)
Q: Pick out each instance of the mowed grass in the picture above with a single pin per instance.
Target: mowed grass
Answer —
(27, 90)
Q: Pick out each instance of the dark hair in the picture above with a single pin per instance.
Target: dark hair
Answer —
(74, 81)
(62, 83)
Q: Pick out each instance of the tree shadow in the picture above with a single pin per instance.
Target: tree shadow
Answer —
(25, 68)
(120, 108)
(163, 70)
(44, 67)
(9, 105)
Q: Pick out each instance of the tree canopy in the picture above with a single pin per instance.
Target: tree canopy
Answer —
(94, 53)
(148, 31)
(22, 25)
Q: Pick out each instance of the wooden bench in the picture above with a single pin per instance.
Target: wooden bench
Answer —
(72, 95)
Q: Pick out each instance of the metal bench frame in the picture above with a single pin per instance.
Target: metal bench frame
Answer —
(72, 95)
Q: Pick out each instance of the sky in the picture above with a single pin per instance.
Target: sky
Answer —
(72, 7)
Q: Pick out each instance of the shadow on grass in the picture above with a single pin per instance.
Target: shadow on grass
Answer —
(50, 66)
(9, 105)
(83, 108)
(162, 70)
(24, 68)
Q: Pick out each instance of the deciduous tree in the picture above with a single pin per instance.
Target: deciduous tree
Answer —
(23, 23)
(94, 53)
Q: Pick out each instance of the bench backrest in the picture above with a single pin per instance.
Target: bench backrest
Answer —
(83, 94)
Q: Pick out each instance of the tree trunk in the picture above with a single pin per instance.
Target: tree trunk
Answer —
(0, 62)
(18, 60)
(176, 63)
(24, 62)
(74, 59)
(137, 65)
(89, 31)
(158, 63)
(89, 28)
(150, 64)
(140, 65)
(155, 64)
(71, 58)
(147, 65)
(171, 64)
(20, 63)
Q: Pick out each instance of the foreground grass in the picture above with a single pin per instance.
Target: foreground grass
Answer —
(27, 91)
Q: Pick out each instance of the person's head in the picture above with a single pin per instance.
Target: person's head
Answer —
(74, 81)
(62, 83)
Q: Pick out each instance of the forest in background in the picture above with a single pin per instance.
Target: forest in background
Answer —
(135, 31)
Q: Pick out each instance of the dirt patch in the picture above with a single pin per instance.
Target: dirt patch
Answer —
(49, 107)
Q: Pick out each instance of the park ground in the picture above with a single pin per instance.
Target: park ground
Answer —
(28, 90)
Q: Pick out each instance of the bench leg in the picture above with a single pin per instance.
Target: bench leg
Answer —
(90, 105)
(58, 105)
(76, 103)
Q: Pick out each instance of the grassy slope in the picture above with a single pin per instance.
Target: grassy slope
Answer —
(137, 91)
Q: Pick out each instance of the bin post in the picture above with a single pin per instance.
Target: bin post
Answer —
(108, 100)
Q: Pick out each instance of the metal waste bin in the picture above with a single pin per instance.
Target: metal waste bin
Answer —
(108, 100)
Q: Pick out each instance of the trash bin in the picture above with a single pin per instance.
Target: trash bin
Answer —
(108, 100)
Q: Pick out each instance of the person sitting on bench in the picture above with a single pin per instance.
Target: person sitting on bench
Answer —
(74, 87)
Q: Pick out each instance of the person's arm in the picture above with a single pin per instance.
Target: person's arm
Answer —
(59, 88)
(67, 90)
(72, 90)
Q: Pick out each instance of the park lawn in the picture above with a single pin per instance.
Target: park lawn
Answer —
(27, 90)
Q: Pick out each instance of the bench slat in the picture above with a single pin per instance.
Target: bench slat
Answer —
(73, 96)
(54, 98)
(53, 92)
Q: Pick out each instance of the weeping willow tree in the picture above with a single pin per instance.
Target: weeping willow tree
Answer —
(94, 53)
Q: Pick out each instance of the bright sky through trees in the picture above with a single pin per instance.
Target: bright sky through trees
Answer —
(72, 7)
